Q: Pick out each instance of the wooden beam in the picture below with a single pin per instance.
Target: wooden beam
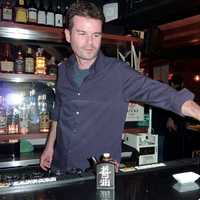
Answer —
(180, 33)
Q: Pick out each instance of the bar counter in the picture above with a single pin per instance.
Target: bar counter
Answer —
(154, 183)
(25, 159)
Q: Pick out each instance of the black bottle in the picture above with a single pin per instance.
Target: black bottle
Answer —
(58, 15)
(50, 16)
(41, 14)
(105, 173)
(32, 12)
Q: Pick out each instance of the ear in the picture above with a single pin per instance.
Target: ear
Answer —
(67, 35)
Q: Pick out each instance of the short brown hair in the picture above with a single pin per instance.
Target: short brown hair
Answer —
(84, 9)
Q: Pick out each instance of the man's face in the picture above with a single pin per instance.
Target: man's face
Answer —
(85, 38)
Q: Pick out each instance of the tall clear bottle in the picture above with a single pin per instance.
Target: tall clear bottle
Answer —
(3, 118)
(44, 115)
(12, 120)
(23, 116)
(33, 123)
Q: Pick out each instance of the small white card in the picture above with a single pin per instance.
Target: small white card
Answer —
(110, 11)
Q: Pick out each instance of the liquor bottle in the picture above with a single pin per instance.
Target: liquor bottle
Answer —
(58, 15)
(52, 67)
(29, 62)
(21, 11)
(7, 11)
(0, 11)
(19, 62)
(33, 122)
(65, 14)
(32, 12)
(23, 117)
(44, 116)
(7, 64)
(50, 16)
(12, 120)
(40, 62)
(40, 100)
(41, 15)
(3, 118)
(105, 173)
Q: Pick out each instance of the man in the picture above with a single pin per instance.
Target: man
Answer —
(92, 96)
(176, 132)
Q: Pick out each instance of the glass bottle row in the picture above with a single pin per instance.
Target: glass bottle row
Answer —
(31, 62)
(31, 115)
(31, 13)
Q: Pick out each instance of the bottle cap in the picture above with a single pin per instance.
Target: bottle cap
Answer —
(106, 155)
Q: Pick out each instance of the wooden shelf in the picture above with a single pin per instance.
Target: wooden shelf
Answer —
(5, 137)
(31, 32)
(119, 39)
(25, 77)
(50, 34)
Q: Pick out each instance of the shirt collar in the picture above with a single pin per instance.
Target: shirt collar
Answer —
(95, 67)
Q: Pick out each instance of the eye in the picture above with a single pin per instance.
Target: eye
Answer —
(96, 35)
(82, 33)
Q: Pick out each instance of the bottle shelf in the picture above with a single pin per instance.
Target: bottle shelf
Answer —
(14, 30)
(5, 137)
(25, 77)
(50, 34)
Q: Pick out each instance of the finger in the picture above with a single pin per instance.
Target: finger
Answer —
(44, 166)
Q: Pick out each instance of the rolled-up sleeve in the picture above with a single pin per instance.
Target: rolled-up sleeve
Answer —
(181, 97)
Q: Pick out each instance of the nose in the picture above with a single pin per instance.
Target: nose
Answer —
(90, 39)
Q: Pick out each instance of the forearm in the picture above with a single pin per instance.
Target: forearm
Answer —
(52, 135)
(191, 109)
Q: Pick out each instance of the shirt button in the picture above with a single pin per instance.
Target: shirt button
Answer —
(74, 130)
(77, 113)
(79, 94)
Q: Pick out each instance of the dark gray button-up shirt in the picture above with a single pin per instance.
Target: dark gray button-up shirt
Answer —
(91, 116)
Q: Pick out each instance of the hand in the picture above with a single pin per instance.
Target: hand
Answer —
(115, 162)
(46, 158)
(171, 125)
(191, 109)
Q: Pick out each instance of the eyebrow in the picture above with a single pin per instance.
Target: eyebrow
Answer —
(78, 30)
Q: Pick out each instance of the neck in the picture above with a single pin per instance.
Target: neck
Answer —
(84, 64)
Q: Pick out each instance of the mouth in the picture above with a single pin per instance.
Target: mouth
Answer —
(89, 50)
